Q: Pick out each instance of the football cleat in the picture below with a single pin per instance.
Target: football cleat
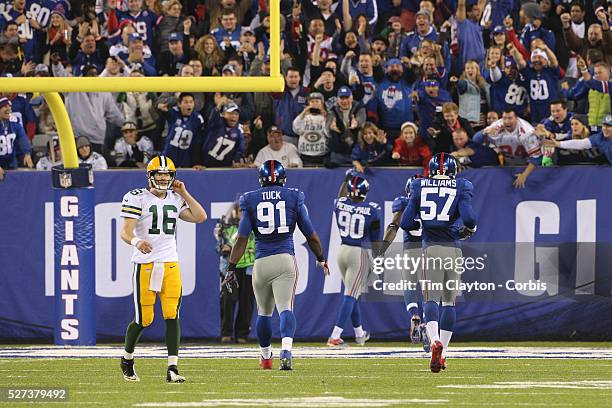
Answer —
(425, 337)
(443, 363)
(437, 363)
(336, 343)
(265, 363)
(285, 360)
(173, 376)
(415, 329)
(129, 374)
(362, 339)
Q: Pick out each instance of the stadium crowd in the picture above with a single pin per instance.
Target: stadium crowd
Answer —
(368, 82)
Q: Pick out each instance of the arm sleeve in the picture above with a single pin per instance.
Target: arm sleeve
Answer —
(407, 222)
(465, 206)
(131, 206)
(24, 143)
(577, 144)
(245, 227)
(376, 225)
(303, 219)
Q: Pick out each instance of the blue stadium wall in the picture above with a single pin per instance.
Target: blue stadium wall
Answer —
(531, 232)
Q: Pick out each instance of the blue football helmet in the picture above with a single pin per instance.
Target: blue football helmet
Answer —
(272, 173)
(409, 182)
(358, 187)
(442, 164)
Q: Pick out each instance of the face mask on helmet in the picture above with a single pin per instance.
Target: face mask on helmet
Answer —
(162, 179)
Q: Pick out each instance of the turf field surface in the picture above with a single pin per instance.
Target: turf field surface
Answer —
(484, 376)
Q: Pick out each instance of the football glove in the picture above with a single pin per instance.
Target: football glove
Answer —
(465, 232)
(231, 281)
(323, 264)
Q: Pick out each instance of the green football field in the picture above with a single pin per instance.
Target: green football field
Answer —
(396, 375)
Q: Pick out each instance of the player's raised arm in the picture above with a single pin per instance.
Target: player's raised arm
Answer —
(194, 211)
(343, 191)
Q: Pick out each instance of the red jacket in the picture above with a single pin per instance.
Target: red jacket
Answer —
(416, 155)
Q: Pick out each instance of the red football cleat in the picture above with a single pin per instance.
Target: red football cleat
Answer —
(265, 363)
(437, 363)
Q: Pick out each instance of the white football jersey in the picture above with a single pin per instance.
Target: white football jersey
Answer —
(157, 219)
(517, 146)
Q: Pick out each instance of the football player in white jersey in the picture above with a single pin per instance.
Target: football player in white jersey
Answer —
(150, 217)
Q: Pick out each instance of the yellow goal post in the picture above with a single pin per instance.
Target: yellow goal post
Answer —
(50, 87)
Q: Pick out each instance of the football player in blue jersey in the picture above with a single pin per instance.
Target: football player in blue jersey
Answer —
(413, 247)
(359, 223)
(272, 213)
(444, 205)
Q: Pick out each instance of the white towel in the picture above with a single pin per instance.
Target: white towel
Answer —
(157, 277)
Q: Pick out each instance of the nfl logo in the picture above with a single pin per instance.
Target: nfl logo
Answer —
(65, 180)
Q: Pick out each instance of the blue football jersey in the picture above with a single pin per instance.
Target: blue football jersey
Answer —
(399, 205)
(271, 213)
(543, 89)
(145, 23)
(442, 204)
(359, 222)
(508, 94)
(184, 135)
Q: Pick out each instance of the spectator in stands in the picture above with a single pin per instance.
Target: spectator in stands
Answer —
(228, 34)
(443, 128)
(290, 103)
(492, 116)
(253, 142)
(132, 150)
(531, 17)
(469, 33)
(87, 156)
(344, 120)
(170, 98)
(170, 23)
(53, 156)
(321, 11)
(425, 30)
(598, 36)
(515, 139)
(470, 154)
(473, 95)
(430, 99)
(327, 85)
(543, 78)
(242, 99)
(90, 111)
(210, 54)
(138, 54)
(579, 131)
(59, 34)
(185, 131)
(140, 108)
(215, 8)
(223, 144)
(310, 126)
(393, 102)
(178, 54)
(601, 141)
(278, 149)
(597, 90)
(88, 49)
(365, 73)
(145, 20)
(373, 148)
(13, 139)
(409, 149)
(23, 112)
(558, 125)
(508, 87)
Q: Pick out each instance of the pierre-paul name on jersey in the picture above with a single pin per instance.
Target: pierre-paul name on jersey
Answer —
(157, 218)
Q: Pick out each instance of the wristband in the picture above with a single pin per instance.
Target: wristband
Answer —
(135, 241)
(393, 225)
(231, 266)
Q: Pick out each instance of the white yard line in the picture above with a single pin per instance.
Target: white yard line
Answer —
(54, 352)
